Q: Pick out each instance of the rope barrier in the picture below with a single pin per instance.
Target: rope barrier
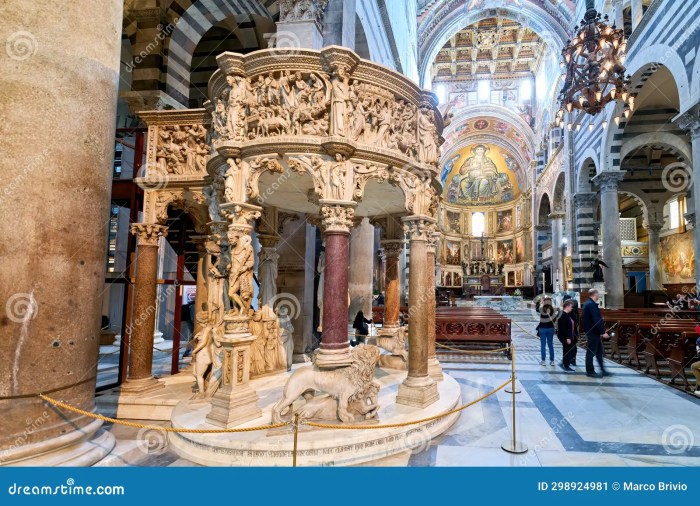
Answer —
(474, 352)
(136, 425)
(405, 424)
(525, 330)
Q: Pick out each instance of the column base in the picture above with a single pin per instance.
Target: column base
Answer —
(434, 369)
(233, 407)
(143, 386)
(331, 359)
(76, 448)
(301, 358)
(417, 392)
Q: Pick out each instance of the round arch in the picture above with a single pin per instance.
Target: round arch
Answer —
(665, 139)
(583, 180)
(650, 57)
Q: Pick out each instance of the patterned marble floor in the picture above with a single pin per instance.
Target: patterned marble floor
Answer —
(565, 419)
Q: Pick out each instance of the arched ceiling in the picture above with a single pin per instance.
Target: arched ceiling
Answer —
(493, 48)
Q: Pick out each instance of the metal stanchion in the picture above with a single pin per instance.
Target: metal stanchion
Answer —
(296, 439)
(512, 388)
(512, 445)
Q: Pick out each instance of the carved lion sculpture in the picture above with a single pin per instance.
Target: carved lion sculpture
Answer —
(364, 406)
(352, 384)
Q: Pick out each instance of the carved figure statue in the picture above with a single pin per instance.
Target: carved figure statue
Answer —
(206, 354)
(257, 348)
(344, 385)
(427, 136)
(340, 86)
(240, 288)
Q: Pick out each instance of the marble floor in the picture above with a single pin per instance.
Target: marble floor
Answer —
(565, 419)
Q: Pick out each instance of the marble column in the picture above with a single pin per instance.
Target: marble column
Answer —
(300, 29)
(434, 367)
(235, 402)
(637, 13)
(267, 272)
(690, 121)
(418, 389)
(585, 241)
(391, 250)
(607, 182)
(361, 269)
(60, 73)
(336, 221)
(654, 282)
(556, 219)
(339, 23)
(139, 378)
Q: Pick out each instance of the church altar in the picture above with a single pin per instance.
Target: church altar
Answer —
(499, 302)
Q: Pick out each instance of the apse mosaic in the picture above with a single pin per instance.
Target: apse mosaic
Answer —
(481, 174)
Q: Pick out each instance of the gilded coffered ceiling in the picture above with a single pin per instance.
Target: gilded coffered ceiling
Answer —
(491, 48)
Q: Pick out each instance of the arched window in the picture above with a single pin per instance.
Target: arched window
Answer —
(478, 224)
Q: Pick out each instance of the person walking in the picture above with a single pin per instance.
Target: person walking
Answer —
(548, 317)
(576, 316)
(567, 335)
(594, 327)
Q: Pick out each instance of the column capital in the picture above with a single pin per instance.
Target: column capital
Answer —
(690, 121)
(585, 199)
(314, 12)
(240, 217)
(419, 228)
(337, 218)
(609, 180)
(433, 241)
(391, 247)
(149, 233)
(557, 215)
(654, 227)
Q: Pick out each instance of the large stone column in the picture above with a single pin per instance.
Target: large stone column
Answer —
(339, 23)
(336, 220)
(60, 71)
(392, 298)
(418, 389)
(690, 121)
(607, 182)
(361, 269)
(434, 367)
(585, 240)
(556, 219)
(139, 378)
(655, 282)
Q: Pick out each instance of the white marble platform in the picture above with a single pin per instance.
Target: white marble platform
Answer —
(316, 447)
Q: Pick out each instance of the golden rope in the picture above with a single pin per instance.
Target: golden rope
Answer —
(526, 331)
(404, 424)
(476, 352)
(68, 407)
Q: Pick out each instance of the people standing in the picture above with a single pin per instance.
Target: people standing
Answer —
(361, 328)
(548, 316)
(576, 316)
(594, 327)
(566, 330)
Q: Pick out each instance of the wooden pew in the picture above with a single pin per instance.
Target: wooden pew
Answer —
(659, 339)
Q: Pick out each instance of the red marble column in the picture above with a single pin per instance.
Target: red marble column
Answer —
(139, 378)
(434, 367)
(392, 297)
(335, 346)
(418, 389)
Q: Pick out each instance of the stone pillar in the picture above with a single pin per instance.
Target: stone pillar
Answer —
(339, 24)
(392, 298)
(418, 389)
(139, 379)
(637, 13)
(585, 240)
(655, 282)
(690, 121)
(300, 29)
(267, 272)
(336, 220)
(607, 182)
(556, 219)
(618, 16)
(235, 402)
(361, 269)
(60, 69)
(434, 367)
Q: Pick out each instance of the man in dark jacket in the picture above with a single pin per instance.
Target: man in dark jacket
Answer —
(567, 336)
(594, 327)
